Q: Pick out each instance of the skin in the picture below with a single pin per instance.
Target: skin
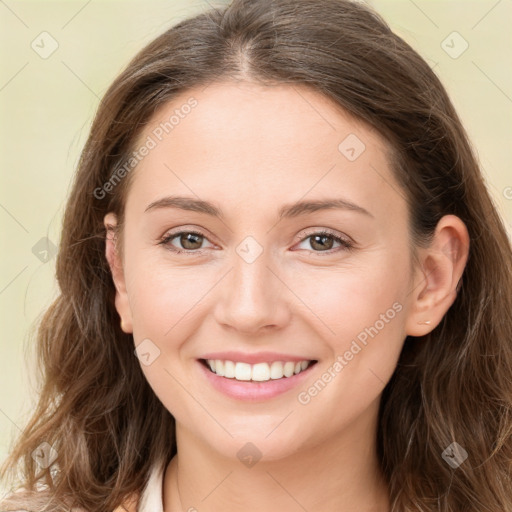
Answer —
(251, 149)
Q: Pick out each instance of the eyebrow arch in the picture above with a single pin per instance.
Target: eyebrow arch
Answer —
(287, 211)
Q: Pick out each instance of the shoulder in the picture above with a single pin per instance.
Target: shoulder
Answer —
(23, 501)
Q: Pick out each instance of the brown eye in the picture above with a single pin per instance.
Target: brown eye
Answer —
(324, 242)
(189, 242)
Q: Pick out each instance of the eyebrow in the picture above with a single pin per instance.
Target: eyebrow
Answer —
(285, 212)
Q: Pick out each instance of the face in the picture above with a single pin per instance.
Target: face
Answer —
(253, 279)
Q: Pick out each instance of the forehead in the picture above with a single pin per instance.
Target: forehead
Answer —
(248, 143)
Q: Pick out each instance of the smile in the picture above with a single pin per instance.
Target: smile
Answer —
(254, 382)
(259, 372)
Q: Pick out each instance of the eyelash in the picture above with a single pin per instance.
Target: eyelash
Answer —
(345, 244)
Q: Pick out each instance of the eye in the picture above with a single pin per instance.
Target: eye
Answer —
(190, 241)
(324, 241)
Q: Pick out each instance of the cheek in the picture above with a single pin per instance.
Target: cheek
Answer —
(163, 298)
(161, 292)
(361, 314)
(165, 303)
(346, 301)
(367, 324)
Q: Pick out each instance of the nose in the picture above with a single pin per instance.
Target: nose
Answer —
(253, 297)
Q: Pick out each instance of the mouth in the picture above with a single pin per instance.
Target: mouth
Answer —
(256, 373)
(254, 383)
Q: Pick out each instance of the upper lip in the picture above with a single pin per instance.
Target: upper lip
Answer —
(257, 357)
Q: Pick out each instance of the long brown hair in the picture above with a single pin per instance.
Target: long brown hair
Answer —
(453, 385)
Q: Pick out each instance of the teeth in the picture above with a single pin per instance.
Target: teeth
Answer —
(259, 372)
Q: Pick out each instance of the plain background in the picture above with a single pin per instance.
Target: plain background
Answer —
(47, 105)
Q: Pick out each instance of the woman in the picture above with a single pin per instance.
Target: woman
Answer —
(284, 283)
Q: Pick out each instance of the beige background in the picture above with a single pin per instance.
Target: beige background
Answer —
(47, 105)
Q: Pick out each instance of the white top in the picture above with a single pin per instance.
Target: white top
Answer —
(151, 498)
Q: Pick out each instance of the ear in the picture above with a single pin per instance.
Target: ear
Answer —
(436, 281)
(116, 268)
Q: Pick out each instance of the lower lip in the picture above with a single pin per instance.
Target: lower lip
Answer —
(253, 391)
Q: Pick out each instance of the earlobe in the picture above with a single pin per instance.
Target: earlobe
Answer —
(116, 268)
(438, 277)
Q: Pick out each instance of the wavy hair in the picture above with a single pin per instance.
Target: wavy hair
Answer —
(453, 385)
